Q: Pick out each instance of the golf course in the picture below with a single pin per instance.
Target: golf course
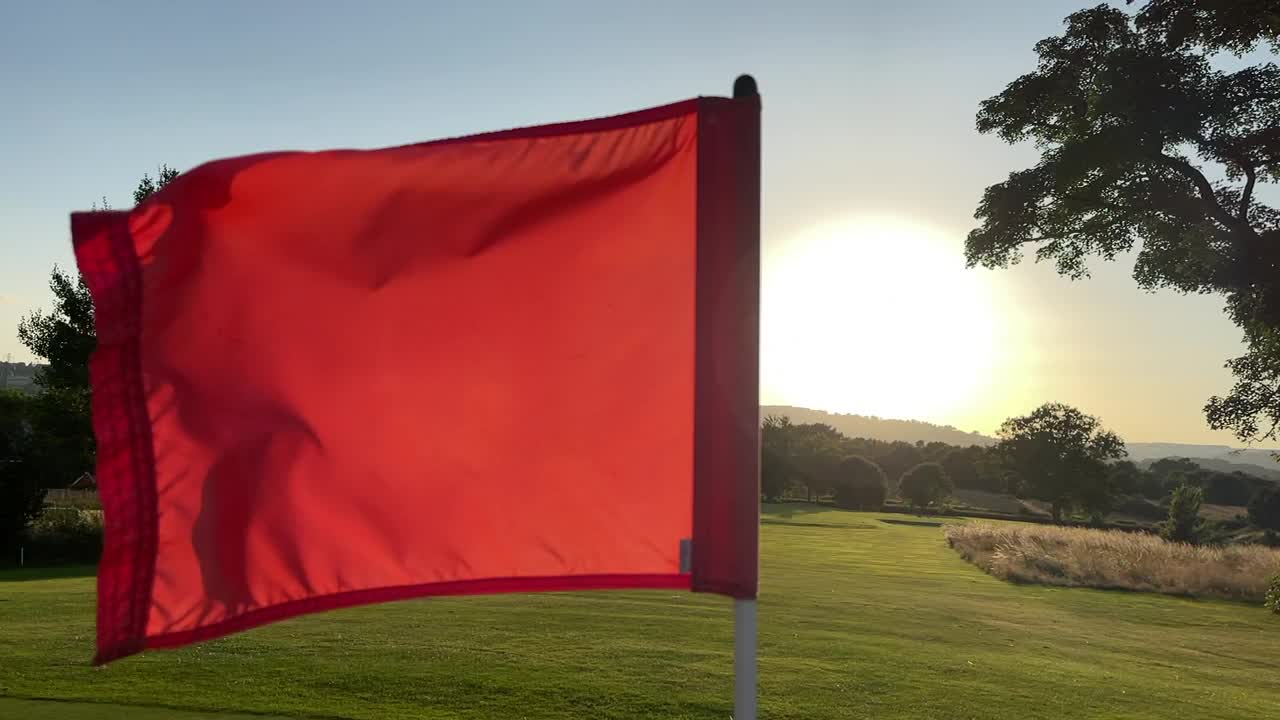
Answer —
(861, 616)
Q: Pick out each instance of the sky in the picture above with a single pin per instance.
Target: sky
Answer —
(872, 169)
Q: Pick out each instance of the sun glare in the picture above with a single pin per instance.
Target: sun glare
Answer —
(877, 317)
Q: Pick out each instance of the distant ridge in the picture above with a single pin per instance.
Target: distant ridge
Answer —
(875, 428)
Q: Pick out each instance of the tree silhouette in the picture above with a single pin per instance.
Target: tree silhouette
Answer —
(1184, 524)
(861, 484)
(925, 484)
(1264, 508)
(1061, 454)
(65, 339)
(1134, 124)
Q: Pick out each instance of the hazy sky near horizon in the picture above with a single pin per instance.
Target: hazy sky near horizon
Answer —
(872, 169)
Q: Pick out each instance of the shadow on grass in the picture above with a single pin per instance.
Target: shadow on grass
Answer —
(13, 574)
(790, 509)
(836, 526)
(916, 523)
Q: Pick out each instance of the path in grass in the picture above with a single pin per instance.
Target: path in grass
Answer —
(859, 618)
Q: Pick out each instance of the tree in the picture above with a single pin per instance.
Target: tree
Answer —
(1124, 476)
(1184, 523)
(1264, 508)
(148, 186)
(900, 458)
(816, 454)
(1164, 467)
(861, 484)
(962, 468)
(1061, 454)
(995, 473)
(1233, 488)
(64, 338)
(776, 465)
(1135, 125)
(925, 484)
(1150, 485)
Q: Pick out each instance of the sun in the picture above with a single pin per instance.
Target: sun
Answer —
(877, 317)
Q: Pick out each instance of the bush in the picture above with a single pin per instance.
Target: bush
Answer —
(860, 484)
(1184, 524)
(1272, 602)
(64, 536)
(21, 501)
(925, 484)
(1264, 508)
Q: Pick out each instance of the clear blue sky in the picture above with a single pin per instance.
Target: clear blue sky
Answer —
(869, 111)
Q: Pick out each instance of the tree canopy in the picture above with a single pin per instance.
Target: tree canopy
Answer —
(925, 484)
(58, 442)
(1146, 143)
(860, 484)
(1061, 454)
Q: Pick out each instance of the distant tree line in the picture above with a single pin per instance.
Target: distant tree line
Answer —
(1055, 454)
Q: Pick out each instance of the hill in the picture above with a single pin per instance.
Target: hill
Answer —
(1266, 473)
(875, 428)
(1261, 457)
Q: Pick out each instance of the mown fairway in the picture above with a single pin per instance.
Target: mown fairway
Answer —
(859, 619)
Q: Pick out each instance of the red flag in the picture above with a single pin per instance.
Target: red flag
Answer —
(511, 362)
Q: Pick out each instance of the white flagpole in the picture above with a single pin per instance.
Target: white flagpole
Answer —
(744, 659)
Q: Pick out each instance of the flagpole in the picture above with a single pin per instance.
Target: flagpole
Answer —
(744, 660)
(744, 609)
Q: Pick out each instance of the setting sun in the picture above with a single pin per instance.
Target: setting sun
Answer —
(878, 317)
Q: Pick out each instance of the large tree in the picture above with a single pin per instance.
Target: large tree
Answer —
(776, 462)
(925, 484)
(1147, 143)
(64, 338)
(1061, 456)
(860, 484)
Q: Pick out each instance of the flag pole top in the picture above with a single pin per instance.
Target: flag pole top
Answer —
(745, 86)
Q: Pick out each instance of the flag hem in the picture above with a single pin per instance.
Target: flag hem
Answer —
(353, 598)
(726, 475)
(125, 457)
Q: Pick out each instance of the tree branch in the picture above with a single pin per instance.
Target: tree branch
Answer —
(1210, 199)
(1246, 196)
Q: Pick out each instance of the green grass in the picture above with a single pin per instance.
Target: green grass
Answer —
(859, 619)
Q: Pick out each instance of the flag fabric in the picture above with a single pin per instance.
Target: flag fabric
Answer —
(519, 361)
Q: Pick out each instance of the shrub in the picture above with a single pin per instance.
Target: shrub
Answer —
(860, 484)
(925, 484)
(21, 501)
(1184, 524)
(1272, 601)
(64, 536)
(1264, 508)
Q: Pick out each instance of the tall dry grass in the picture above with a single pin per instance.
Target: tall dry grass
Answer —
(1115, 559)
